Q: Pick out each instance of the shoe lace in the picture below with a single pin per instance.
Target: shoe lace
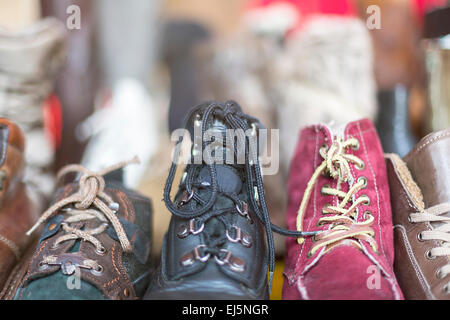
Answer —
(342, 217)
(88, 203)
(235, 119)
(439, 232)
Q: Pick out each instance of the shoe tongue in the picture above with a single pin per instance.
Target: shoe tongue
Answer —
(429, 164)
(228, 178)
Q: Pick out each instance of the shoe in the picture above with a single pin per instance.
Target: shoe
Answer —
(319, 80)
(393, 122)
(181, 38)
(17, 212)
(29, 61)
(131, 104)
(420, 195)
(215, 246)
(95, 245)
(338, 189)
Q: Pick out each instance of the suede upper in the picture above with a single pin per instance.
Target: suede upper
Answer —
(344, 270)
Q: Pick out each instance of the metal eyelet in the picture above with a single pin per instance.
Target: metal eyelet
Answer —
(364, 179)
(97, 271)
(42, 265)
(189, 258)
(101, 251)
(409, 219)
(420, 236)
(447, 288)
(360, 167)
(114, 206)
(440, 274)
(310, 254)
(186, 198)
(241, 237)
(244, 211)
(367, 213)
(236, 264)
(366, 201)
(185, 230)
(429, 256)
(356, 148)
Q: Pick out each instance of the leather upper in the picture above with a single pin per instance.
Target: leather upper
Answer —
(122, 275)
(17, 212)
(244, 277)
(425, 185)
(340, 270)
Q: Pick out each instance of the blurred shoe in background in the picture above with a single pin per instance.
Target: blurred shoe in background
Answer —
(338, 185)
(324, 74)
(95, 245)
(437, 50)
(77, 80)
(29, 59)
(126, 124)
(179, 43)
(420, 196)
(393, 122)
(17, 212)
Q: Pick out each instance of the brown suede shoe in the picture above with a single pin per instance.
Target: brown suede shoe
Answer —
(420, 195)
(17, 212)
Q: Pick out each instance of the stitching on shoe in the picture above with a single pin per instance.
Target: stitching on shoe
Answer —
(314, 200)
(386, 275)
(431, 140)
(11, 245)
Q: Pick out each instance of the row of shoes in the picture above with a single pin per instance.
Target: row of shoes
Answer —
(361, 224)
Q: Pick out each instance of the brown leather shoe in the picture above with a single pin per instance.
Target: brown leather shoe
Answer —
(420, 196)
(17, 212)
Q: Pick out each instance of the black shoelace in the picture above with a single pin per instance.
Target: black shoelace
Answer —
(232, 116)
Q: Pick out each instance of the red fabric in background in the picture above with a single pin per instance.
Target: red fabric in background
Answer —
(421, 7)
(342, 7)
(308, 7)
(52, 112)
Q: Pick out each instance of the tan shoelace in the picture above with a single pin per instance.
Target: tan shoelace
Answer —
(89, 202)
(441, 232)
(342, 219)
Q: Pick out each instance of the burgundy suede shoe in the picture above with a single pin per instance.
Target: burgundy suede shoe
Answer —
(338, 185)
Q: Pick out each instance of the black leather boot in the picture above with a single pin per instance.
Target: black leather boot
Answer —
(393, 122)
(215, 247)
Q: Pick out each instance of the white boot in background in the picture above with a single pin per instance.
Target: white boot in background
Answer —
(127, 126)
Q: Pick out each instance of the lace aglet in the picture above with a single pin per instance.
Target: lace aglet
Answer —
(270, 281)
(310, 233)
(29, 232)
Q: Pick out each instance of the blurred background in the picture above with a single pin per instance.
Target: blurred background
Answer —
(117, 77)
